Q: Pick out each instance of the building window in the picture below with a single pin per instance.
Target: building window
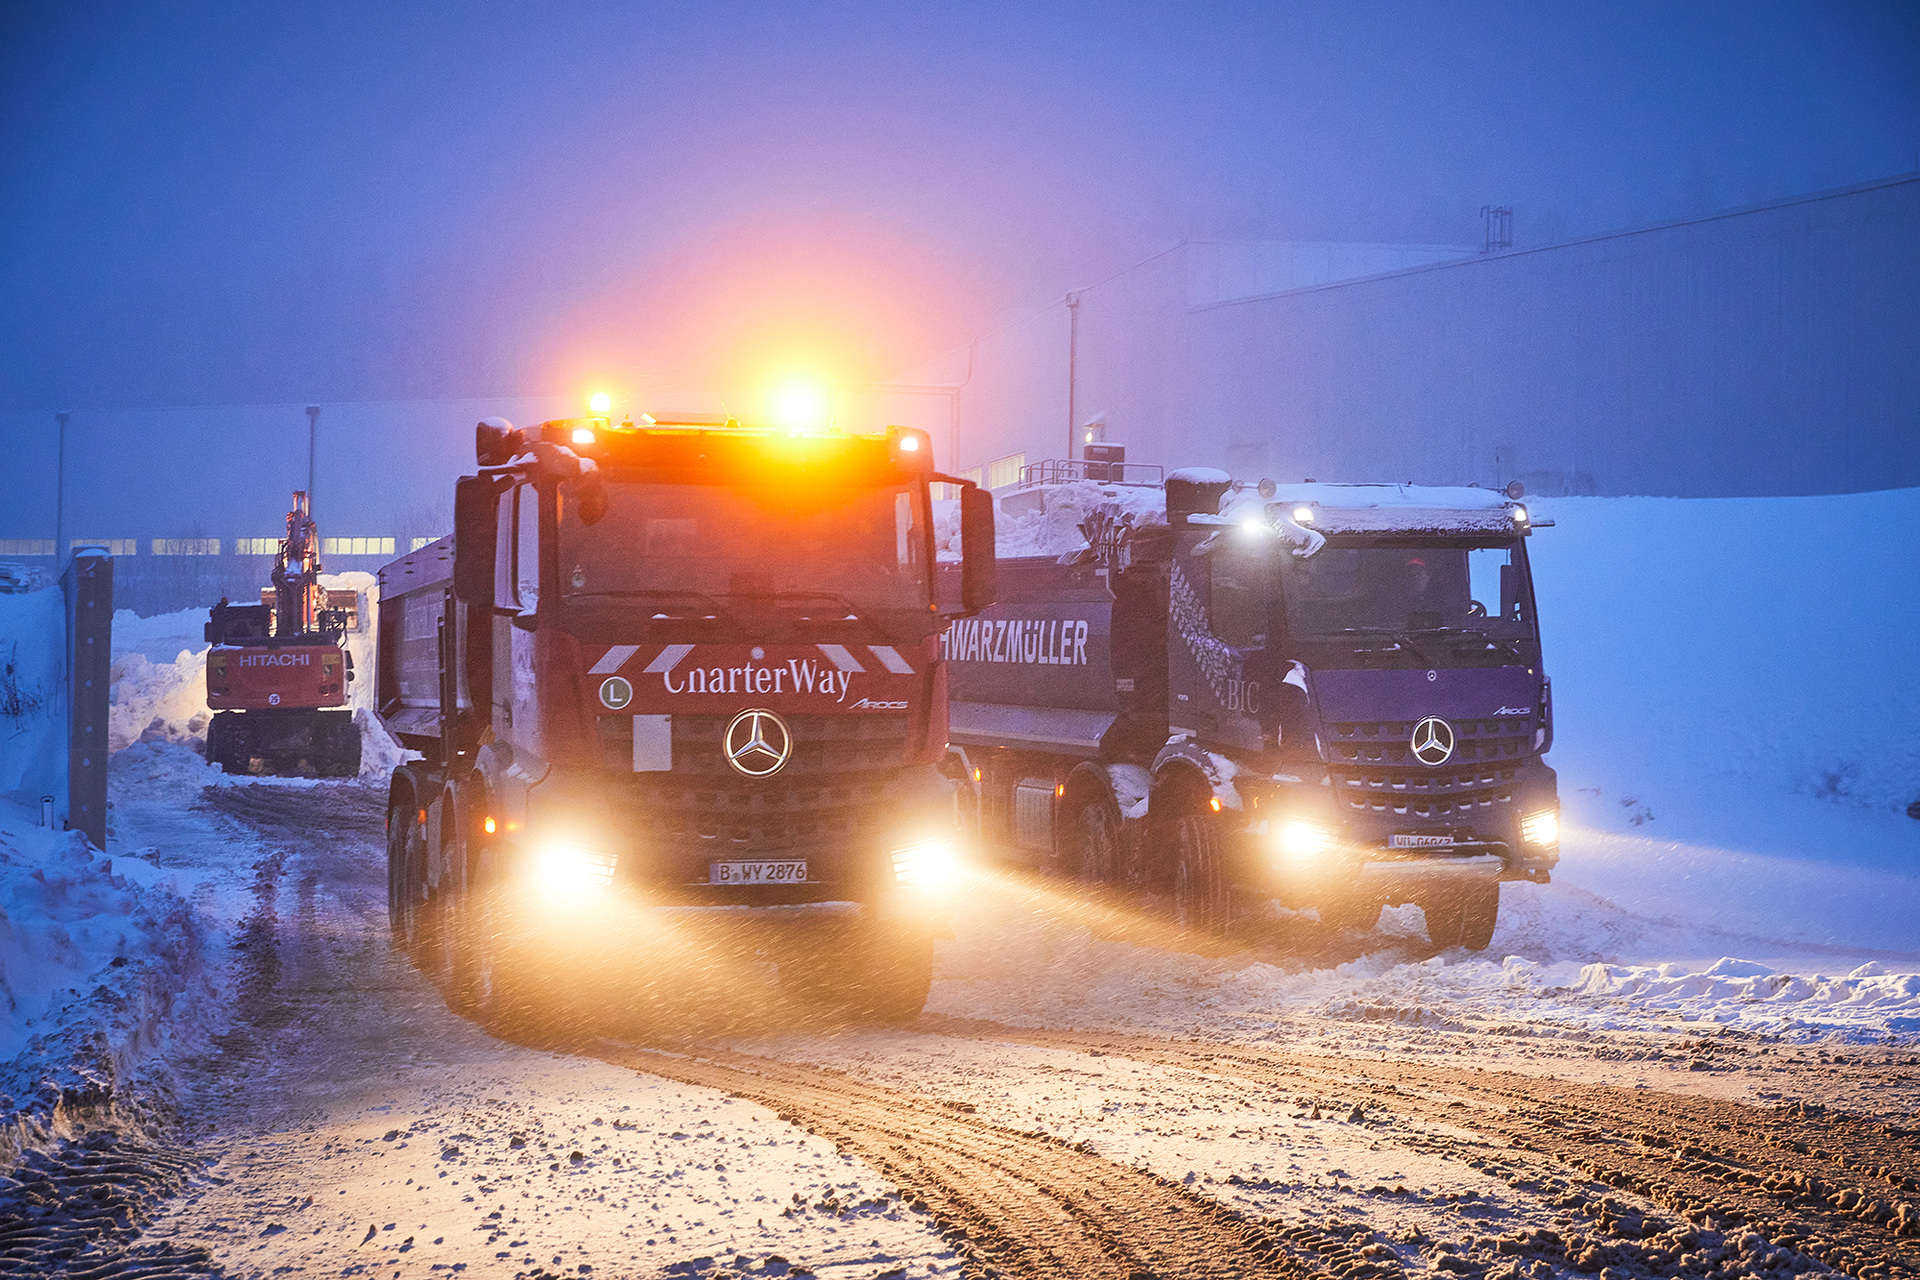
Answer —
(356, 546)
(186, 546)
(423, 542)
(256, 546)
(26, 546)
(1005, 471)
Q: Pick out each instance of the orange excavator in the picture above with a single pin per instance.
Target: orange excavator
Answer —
(278, 671)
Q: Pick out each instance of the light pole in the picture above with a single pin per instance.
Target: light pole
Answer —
(313, 434)
(60, 496)
(1073, 360)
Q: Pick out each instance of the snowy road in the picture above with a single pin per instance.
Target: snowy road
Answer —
(1349, 1105)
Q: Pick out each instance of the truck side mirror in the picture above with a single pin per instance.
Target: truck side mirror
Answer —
(475, 510)
(978, 568)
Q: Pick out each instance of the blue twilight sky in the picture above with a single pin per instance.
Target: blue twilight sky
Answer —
(236, 203)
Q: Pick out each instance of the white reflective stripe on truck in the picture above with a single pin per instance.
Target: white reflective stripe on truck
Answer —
(669, 658)
(614, 659)
(842, 660)
(890, 659)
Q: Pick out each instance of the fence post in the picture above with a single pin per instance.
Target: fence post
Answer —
(87, 585)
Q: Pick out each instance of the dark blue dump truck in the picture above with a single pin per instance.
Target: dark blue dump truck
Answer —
(1326, 695)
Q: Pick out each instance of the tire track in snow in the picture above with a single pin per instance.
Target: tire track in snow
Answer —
(1017, 1204)
(1833, 1188)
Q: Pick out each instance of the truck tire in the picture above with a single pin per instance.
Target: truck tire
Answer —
(406, 876)
(1351, 912)
(1091, 836)
(336, 745)
(875, 975)
(1479, 911)
(497, 993)
(1202, 900)
(219, 740)
(1462, 917)
(899, 974)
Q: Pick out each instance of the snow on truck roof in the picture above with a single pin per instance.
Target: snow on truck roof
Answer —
(1051, 525)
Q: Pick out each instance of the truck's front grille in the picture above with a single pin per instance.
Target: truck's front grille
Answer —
(826, 796)
(1374, 769)
(1385, 742)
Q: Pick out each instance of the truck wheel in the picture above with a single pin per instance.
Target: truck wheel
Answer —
(406, 877)
(218, 733)
(1462, 917)
(899, 974)
(1479, 910)
(337, 745)
(1202, 903)
(1351, 913)
(1092, 838)
(496, 988)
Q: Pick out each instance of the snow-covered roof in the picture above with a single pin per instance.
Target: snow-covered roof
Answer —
(1394, 508)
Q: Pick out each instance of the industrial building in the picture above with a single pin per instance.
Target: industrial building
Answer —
(1767, 350)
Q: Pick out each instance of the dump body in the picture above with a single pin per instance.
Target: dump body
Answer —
(1343, 683)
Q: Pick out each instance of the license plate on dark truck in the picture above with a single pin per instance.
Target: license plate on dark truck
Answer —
(787, 871)
(1417, 840)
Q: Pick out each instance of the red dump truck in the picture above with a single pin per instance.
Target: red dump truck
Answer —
(672, 678)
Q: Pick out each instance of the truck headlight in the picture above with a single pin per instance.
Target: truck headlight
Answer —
(568, 868)
(928, 864)
(1302, 841)
(1541, 828)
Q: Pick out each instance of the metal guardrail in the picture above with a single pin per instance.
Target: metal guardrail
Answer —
(1062, 470)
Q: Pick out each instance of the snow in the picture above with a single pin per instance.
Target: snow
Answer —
(1053, 526)
(32, 669)
(82, 941)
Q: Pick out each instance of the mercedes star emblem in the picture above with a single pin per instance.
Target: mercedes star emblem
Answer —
(757, 743)
(1432, 741)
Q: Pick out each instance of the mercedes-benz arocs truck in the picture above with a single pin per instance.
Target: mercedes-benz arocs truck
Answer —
(672, 671)
(1326, 695)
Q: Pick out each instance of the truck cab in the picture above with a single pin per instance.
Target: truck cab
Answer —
(1367, 657)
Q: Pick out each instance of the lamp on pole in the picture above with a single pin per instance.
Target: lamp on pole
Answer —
(313, 434)
(1073, 360)
(60, 496)
(951, 390)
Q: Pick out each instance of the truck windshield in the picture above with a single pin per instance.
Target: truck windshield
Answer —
(1410, 586)
(822, 553)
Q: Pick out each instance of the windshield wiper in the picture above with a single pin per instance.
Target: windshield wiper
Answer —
(850, 611)
(716, 609)
(1402, 639)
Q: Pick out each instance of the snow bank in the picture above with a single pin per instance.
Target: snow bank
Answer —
(1052, 527)
(32, 662)
(1735, 709)
(159, 691)
(1561, 957)
(92, 965)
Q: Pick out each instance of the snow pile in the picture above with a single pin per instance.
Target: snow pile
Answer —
(92, 964)
(160, 698)
(32, 658)
(1046, 519)
(1561, 956)
(1753, 995)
